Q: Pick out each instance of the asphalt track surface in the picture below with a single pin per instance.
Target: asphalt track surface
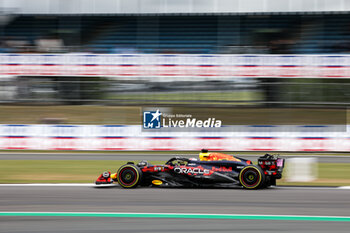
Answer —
(274, 201)
(146, 156)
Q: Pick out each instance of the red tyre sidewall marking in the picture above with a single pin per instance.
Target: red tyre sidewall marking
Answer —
(133, 170)
(250, 185)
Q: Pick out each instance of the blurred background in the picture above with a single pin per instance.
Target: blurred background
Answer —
(76, 76)
(250, 62)
(198, 54)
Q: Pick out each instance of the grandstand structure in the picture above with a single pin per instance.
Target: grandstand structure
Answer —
(195, 34)
(60, 48)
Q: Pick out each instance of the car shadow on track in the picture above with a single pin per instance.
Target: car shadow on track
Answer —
(110, 186)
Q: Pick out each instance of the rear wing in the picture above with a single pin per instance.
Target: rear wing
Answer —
(272, 165)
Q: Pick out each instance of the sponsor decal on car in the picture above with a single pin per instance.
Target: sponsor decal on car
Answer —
(222, 169)
(185, 170)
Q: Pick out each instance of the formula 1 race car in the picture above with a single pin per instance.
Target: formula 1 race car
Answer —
(211, 170)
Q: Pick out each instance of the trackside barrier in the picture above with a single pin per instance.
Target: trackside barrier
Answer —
(117, 137)
(301, 169)
(176, 65)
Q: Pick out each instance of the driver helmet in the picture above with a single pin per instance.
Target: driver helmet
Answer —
(204, 155)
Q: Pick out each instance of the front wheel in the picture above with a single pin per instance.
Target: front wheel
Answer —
(252, 177)
(129, 176)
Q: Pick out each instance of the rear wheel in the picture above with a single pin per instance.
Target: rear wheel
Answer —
(252, 177)
(129, 176)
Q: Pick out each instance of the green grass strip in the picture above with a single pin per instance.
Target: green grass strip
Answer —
(180, 215)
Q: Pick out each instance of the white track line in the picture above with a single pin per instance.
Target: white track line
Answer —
(47, 185)
(57, 185)
(310, 187)
(116, 185)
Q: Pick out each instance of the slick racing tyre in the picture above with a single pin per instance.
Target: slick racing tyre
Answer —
(129, 176)
(252, 177)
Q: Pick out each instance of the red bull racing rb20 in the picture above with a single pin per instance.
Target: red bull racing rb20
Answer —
(210, 170)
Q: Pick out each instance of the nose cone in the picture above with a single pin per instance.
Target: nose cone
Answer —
(104, 178)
